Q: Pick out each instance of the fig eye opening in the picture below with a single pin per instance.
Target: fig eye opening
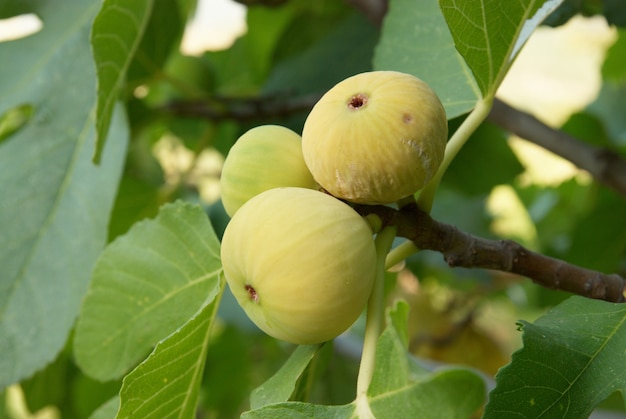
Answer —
(358, 101)
(252, 293)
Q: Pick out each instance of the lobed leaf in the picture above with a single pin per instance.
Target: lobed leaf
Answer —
(144, 286)
(115, 35)
(167, 383)
(56, 203)
(416, 40)
(572, 359)
(490, 33)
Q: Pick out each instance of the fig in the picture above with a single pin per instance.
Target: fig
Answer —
(300, 263)
(375, 137)
(265, 157)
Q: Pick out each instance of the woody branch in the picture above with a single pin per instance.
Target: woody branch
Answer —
(465, 250)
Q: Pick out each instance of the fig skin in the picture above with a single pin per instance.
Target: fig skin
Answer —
(265, 157)
(376, 137)
(300, 263)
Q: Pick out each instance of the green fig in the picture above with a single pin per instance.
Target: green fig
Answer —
(376, 137)
(265, 157)
(300, 263)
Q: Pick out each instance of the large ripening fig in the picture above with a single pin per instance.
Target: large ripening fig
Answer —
(375, 137)
(300, 263)
(265, 157)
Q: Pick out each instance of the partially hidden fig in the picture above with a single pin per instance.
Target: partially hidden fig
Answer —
(265, 157)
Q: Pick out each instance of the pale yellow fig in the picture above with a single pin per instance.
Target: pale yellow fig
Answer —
(300, 263)
(265, 157)
(375, 137)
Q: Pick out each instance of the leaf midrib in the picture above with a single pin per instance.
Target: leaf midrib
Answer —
(587, 366)
(163, 300)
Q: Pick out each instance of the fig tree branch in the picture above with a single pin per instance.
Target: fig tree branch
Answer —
(607, 166)
(461, 249)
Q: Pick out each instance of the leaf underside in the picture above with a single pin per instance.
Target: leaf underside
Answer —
(56, 203)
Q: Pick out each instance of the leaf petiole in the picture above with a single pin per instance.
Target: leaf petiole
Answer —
(400, 253)
(455, 144)
(374, 323)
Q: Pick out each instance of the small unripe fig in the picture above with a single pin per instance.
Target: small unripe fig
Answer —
(265, 157)
(300, 263)
(375, 137)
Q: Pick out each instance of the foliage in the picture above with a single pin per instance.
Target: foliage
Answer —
(112, 300)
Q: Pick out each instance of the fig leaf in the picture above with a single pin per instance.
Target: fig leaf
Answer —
(577, 355)
(158, 275)
(172, 372)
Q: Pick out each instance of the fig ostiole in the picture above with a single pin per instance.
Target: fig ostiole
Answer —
(265, 157)
(300, 263)
(376, 137)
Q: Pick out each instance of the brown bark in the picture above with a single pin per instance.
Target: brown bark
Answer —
(463, 249)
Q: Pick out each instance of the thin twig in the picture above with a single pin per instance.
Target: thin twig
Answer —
(241, 109)
(465, 250)
(607, 166)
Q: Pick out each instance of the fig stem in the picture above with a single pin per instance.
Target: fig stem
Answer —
(454, 145)
(400, 253)
(374, 322)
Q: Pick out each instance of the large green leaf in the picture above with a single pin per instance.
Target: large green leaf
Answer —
(55, 203)
(416, 40)
(167, 383)
(145, 285)
(116, 33)
(395, 392)
(573, 358)
(490, 33)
